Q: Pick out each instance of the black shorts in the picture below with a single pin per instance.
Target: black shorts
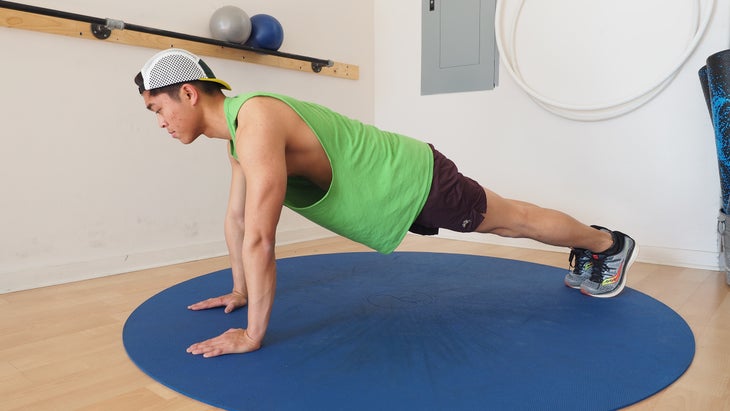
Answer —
(455, 202)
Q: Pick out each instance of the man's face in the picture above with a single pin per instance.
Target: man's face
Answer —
(175, 116)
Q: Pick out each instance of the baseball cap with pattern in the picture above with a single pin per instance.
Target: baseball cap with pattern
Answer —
(174, 66)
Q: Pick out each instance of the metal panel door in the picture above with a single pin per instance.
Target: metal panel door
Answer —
(458, 51)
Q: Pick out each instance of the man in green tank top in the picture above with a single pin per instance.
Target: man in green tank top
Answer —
(366, 184)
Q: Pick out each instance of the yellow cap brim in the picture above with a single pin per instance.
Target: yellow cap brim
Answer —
(216, 80)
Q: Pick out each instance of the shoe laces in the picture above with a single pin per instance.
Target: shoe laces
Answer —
(574, 262)
(577, 260)
(599, 267)
(572, 259)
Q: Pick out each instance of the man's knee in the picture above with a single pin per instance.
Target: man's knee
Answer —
(507, 218)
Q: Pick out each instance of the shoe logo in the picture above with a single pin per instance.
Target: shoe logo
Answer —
(615, 278)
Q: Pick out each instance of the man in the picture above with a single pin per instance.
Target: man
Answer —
(366, 184)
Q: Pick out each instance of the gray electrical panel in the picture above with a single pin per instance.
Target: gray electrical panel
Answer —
(458, 49)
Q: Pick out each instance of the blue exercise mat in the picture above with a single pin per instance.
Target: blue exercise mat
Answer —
(416, 331)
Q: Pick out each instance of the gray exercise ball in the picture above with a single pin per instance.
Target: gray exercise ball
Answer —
(230, 23)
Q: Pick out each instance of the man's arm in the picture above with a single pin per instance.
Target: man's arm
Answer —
(262, 153)
(233, 228)
(261, 144)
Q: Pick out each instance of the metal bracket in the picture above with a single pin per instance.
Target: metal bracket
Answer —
(100, 31)
(103, 31)
(317, 66)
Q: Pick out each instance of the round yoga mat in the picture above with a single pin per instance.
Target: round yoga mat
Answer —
(416, 331)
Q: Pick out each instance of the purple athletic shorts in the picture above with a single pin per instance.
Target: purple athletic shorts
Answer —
(455, 202)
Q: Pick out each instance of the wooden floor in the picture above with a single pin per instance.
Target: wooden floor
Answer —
(61, 347)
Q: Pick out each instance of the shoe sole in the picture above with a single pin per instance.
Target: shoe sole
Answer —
(622, 284)
(575, 287)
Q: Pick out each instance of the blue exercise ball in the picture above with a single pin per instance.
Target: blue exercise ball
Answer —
(266, 32)
(230, 23)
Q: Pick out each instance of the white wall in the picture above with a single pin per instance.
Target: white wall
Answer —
(91, 186)
(652, 173)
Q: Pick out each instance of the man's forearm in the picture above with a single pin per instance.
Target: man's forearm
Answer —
(234, 240)
(260, 269)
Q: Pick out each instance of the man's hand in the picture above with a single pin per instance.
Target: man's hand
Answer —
(231, 301)
(233, 341)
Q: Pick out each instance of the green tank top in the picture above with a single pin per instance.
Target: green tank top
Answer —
(380, 180)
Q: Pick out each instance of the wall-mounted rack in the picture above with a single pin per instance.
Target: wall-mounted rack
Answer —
(27, 17)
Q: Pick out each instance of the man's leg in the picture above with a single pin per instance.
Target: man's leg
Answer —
(602, 256)
(518, 219)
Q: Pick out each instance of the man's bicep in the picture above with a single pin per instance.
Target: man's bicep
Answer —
(265, 191)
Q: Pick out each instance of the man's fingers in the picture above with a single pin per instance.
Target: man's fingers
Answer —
(205, 346)
(209, 303)
(230, 307)
(230, 342)
(230, 302)
(205, 349)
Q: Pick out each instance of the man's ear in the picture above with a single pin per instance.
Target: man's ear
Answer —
(189, 93)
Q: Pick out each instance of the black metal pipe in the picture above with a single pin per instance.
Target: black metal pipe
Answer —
(50, 12)
(100, 25)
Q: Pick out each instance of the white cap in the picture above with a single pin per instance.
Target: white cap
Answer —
(174, 66)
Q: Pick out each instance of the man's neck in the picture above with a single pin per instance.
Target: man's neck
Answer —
(215, 117)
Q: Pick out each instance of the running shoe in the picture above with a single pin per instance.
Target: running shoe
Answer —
(580, 264)
(580, 268)
(608, 274)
